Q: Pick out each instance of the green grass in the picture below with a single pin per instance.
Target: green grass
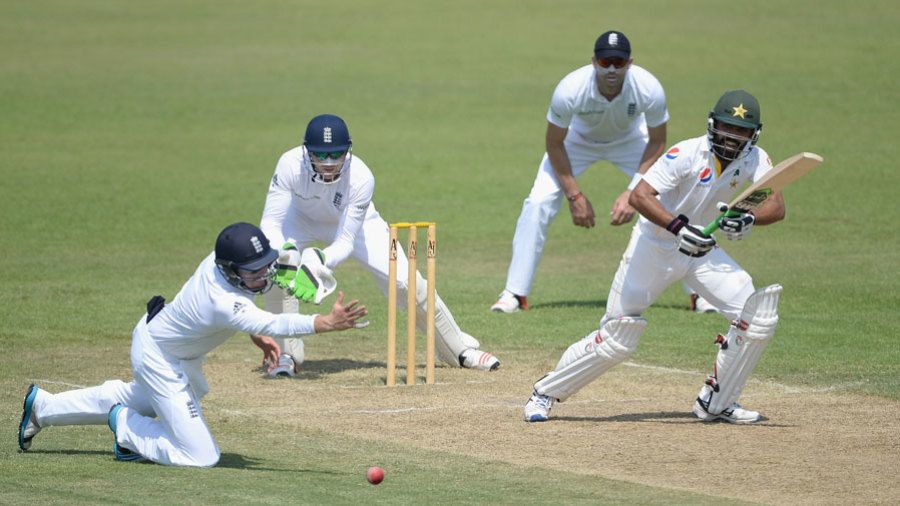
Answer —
(131, 134)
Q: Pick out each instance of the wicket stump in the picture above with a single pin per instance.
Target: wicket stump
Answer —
(411, 304)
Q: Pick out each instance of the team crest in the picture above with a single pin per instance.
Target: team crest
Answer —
(338, 198)
(706, 175)
(672, 153)
(632, 107)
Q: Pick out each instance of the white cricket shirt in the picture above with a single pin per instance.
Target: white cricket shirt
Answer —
(295, 195)
(578, 105)
(687, 181)
(208, 310)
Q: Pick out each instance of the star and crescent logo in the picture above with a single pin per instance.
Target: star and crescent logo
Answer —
(739, 111)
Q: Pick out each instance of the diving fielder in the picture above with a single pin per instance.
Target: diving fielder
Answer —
(678, 195)
(322, 192)
(157, 415)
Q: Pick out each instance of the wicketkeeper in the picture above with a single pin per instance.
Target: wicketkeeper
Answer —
(322, 193)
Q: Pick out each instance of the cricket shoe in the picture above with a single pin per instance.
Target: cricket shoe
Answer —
(480, 360)
(509, 302)
(286, 368)
(122, 454)
(734, 414)
(701, 305)
(28, 427)
(537, 409)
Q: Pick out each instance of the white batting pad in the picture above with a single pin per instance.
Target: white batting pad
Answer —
(742, 348)
(591, 356)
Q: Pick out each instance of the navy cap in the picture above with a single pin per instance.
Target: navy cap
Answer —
(612, 43)
(327, 133)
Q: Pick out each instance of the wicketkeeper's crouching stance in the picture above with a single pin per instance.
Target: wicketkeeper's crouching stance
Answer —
(157, 416)
(681, 189)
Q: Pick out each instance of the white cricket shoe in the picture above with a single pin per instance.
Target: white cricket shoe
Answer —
(480, 360)
(734, 414)
(28, 427)
(286, 368)
(537, 409)
(701, 305)
(509, 302)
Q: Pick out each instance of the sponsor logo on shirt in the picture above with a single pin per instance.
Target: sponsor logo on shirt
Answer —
(238, 307)
(672, 153)
(706, 175)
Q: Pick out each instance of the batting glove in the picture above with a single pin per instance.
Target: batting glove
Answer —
(691, 240)
(738, 226)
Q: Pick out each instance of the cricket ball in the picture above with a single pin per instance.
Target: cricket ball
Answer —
(375, 475)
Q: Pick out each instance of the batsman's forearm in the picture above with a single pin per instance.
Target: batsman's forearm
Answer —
(643, 200)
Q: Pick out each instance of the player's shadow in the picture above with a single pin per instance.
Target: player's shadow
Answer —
(238, 461)
(315, 369)
(652, 417)
(599, 304)
(655, 417)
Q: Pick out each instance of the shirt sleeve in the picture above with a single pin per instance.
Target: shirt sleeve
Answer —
(277, 202)
(246, 317)
(763, 166)
(657, 112)
(562, 106)
(349, 224)
(665, 174)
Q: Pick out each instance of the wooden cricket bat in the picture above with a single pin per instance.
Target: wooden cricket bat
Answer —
(778, 178)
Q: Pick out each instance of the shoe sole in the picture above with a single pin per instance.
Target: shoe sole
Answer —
(709, 417)
(27, 406)
(537, 418)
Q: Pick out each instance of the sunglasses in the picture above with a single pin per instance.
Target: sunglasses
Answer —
(615, 61)
(324, 155)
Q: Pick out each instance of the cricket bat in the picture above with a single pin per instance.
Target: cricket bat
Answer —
(778, 178)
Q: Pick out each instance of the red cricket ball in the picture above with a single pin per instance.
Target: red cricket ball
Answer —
(375, 475)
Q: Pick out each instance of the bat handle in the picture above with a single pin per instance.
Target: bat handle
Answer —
(709, 229)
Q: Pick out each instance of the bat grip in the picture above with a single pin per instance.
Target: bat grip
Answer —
(709, 229)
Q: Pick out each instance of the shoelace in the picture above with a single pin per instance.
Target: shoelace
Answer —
(542, 400)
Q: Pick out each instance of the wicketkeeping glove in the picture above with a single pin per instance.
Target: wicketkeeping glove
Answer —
(691, 240)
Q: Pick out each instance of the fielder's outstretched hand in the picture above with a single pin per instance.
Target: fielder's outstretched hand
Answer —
(271, 350)
(342, 316)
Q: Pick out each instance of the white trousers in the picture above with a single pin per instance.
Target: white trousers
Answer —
(648, 268)
(546, 197)
(162, 419)
(370, 249)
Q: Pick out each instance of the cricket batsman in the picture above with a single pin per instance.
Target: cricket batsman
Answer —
(677, 196)
(321, 192)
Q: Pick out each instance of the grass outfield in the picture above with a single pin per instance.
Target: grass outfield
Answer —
(131, 134)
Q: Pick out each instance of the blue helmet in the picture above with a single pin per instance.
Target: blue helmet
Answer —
(327, 133)
(327, 142)
(244, 246)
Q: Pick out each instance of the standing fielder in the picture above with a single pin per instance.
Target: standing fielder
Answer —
(681, 188)
(322, 192)
(610, 110)
(157, 416)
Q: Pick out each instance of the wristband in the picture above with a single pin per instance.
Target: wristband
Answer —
(635, 180)
(677, 224)
(575, 198)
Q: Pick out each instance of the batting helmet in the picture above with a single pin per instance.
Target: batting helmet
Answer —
(244, 246)
(737, 108)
